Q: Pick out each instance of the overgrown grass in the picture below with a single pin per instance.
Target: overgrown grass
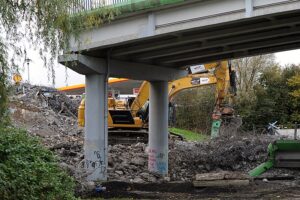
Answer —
(189, 135)
(30, 171)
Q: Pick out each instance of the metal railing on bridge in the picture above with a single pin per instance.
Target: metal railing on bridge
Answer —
(89, 5)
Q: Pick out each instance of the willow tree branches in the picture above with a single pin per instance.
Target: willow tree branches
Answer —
(45, 25)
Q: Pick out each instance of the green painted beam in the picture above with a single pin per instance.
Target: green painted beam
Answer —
(261, 168)
(273, 148)
(135, 6)
(146, 4)
(288, 145)
(139, 5)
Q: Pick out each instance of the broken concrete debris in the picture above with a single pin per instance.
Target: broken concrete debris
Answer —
(51, 115)
(46, 97)
(221, 179)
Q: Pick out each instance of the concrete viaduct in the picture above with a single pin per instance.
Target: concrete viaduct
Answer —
(157, 44)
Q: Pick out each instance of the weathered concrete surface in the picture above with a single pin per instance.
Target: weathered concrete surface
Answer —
(289, 133)
(86, 65)
(197, 32)
(158, 128)
(95, 143)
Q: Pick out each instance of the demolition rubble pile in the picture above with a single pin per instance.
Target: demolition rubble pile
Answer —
(46, 113)
(47, 97)
(186, 159)
(52, 116)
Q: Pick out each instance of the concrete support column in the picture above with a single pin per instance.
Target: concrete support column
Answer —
(158, 128)
(95, 145)
(248, 8)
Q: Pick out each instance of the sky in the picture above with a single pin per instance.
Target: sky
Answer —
(39, 76)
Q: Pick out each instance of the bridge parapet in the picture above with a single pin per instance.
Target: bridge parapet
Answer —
(124, 6)
(174, 33)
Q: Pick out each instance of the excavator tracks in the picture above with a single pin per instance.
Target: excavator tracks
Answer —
(121, 136)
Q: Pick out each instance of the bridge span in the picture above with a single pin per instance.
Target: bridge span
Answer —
(158, 43)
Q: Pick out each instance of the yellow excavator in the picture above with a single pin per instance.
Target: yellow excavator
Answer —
(137, 115)
(122, 116)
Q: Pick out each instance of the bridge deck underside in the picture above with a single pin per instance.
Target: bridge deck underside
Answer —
(246, 37)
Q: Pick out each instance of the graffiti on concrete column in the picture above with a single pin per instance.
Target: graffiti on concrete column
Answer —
(162, 167)
(152, 159)
(97, 164)
(157, 161)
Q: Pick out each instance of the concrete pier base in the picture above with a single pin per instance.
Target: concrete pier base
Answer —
(158, 128)
(95, 146)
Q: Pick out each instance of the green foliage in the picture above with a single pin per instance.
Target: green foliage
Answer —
(194, 108)
(3, 86)
(248, 71)
(3, 98)
(45, 25)
(189, 135)
(138, 5)
(273, 101)
(91, 19)
(3, 101)
(294, 84)
(29, 171)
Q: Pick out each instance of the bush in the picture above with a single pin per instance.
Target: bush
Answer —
(28, 170)
(272, 99)
(194, 108)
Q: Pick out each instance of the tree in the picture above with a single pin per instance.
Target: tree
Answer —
(28, 171)
(273, 102)
(46, 25)
(194, 108)
(248, 71)
(294, 84)
(269, 93)
(3, 88)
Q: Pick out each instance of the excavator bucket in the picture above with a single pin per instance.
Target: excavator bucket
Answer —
(215, 129)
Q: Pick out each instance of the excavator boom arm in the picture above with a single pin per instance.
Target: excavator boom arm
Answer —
(220, 77)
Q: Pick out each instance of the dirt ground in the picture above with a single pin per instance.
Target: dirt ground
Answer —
(52, 117)
(257, 189)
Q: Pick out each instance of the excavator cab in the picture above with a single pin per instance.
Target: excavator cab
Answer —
(143, 112)
(118, 117)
